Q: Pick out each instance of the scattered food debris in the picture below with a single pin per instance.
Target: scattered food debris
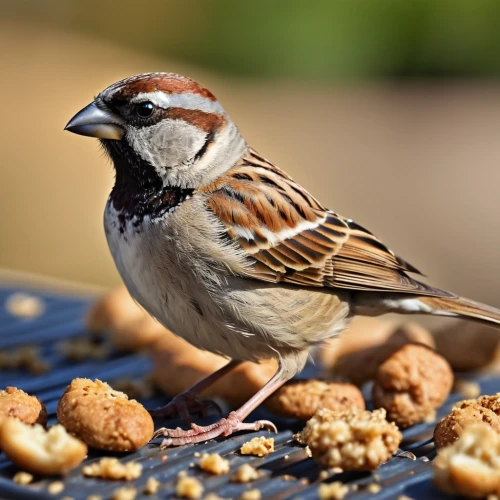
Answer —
(56, 487)
(188, 487)
(259, 446)
(152, 486)
(254, 494)
(22, 478)
(332, 491)
(244, 474)
(124, 493)
(214, 463)
(112, 468)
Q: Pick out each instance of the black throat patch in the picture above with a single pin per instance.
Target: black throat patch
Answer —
(138, 191)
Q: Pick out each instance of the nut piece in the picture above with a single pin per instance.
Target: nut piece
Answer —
(214, 464)
(451, 427)
(189, 487)
(470, 466)
(332, 491)
(359, 366)
(412, 383)
(104, 418)
(244, 474)
(36, 450)
(112, 468)
(259, 446)
(16, 403)
(303, 398)
(361, 440)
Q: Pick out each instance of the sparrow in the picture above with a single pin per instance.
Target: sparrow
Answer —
(229, 252)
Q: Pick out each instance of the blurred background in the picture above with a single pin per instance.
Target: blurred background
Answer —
(387, 111)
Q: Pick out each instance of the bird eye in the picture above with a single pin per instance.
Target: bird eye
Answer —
(145, 109)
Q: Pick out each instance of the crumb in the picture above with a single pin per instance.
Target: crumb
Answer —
(124, 493)
(67, 498)
(332, 491)
(471, 465)
(55, 487)
(22, 478)
(374, 488)
(286, 457)
(308, 452)
(80, 349)
(40, 451)
(164, 458)
(212, 496)
(23, 305)
(94, 497)
(353, 441)
(254, 494)
(404, 497)
(259, 446)
(111, 468)
(244, 474)
(323, 475)
(197, 454)
(468, 389)
(214, 464)
(152, 486)
(188, 487)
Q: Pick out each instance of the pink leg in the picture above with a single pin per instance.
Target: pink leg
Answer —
(225, 426)
(186, 402)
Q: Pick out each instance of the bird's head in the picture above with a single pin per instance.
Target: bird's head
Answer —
(166, 122)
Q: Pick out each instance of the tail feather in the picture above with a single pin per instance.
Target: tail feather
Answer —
(462, 307)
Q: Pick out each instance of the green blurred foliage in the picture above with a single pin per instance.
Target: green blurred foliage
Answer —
(322, 39)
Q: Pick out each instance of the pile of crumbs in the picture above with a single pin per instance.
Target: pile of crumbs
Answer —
(188, 487)
(214, 464)
(112, 468)
(244, 474)
(259, 446)
(360, 440)
(332, 491)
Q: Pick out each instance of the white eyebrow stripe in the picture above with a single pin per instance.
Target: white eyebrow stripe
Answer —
(185, 101)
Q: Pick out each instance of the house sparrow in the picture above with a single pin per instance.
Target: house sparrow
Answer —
(227, 250)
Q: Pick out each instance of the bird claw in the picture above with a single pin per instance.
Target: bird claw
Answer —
(185, 405)
(197, 434)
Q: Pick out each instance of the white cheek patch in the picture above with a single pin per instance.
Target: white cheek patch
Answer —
(168, 144)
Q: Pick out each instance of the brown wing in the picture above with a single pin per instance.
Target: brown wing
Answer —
(293, 239)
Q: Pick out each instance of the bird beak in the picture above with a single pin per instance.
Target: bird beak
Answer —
(95, 121)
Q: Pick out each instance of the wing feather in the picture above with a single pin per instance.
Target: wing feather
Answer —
(291, 238)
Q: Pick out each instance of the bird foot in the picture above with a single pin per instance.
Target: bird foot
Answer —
(184, 405)
(198, 434)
